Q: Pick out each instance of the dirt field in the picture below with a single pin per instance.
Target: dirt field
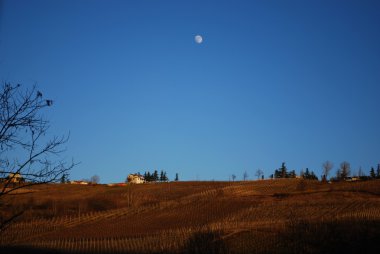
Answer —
(268, 216)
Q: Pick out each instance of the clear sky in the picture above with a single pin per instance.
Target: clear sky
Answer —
(272, 82)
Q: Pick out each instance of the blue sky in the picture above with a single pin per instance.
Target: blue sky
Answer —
(273, 81)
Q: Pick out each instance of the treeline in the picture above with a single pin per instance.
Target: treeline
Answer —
(374, 175)
(155, 177)
(283, 172)
(342, 173)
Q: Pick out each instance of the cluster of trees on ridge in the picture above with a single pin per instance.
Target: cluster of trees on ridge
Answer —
(283, 172)
(342, 173)
(154, 177)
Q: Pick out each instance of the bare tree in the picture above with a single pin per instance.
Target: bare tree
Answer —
(27, 156)
(95, 179)
(259, 173)
(360, 172)
(245, 175)
(233, 177)
(327, 166)
(345, 170)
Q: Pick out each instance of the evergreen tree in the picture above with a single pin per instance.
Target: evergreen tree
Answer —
(176, 177)
(165, 178)
(63, 178)
(306, 175)
(378, 171)
(162, 176)
(310, 175)
(148, 177)
(155, 176)
(283, 170)
(313, 176)
(292, 174)
(372, 173)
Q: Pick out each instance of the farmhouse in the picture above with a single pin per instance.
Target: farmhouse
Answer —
(135, 178)
(15, 178)
(79, 182)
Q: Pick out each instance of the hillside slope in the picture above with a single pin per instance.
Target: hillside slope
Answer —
(283, 216)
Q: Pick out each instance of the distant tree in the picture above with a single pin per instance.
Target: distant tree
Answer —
(310, 175)
(378, 171)
(345, 170)
(281, 172)
(245, 175)
(26, 150)
(372, 173)
(95, 179)
(338, 174)
(259, 173)
(176, 177)
(292, 174)
(306, 175)
(166, 178)
(327, 166)
(233, 177)
(155, 176)
(360, 172)
(63, 178)
(161, 176)
(302, 173)
(313, 176)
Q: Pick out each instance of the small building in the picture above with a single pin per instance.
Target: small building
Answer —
(15, 178)
(79, 182)
(135, 178)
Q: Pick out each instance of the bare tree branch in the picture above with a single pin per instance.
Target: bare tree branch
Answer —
(27, 158)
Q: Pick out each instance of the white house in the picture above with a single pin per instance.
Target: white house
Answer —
(135, 178)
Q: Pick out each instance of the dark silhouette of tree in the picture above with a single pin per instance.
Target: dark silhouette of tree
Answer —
(302, 173)
(259, 173)
(245, 175)
(155, 176)
(309, 175)
(378, 171)
(25, 150)
(65, 178)
(95, 179)
(163, 177)
(281, 172)
(292, 174)
(233, 177)
(327, 166)
(372, 173)
(176, 177)
(344, 171)
(360, 172)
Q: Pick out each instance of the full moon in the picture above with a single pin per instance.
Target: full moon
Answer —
(198, 39)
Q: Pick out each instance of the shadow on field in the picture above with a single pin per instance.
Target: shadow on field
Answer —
(348, 236)
(206, 242)
(28, 250)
